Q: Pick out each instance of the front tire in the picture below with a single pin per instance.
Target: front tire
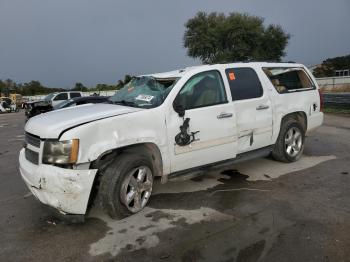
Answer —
(126, 185)
(290, 142)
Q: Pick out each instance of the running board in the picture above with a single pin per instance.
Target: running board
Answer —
(198, 171)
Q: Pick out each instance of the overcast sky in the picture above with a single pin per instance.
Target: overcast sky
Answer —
(61, 42)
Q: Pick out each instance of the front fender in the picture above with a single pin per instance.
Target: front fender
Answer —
(98, 137)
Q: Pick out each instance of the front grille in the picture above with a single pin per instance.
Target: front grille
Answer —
(32, 156)
(32, 140)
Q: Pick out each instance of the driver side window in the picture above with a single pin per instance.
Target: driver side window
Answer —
(62, 96)
(203, 89)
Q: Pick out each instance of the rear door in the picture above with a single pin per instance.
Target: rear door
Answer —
(253, 109)
(211, 118)
(74, 94)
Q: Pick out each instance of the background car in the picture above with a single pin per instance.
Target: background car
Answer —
(43, 106)
(56, 98)
(7, 105)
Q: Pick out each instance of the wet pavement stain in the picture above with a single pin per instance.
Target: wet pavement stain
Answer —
(157, 215)
(252, 252)
(33, 243)
(192, 256)
(235, 176)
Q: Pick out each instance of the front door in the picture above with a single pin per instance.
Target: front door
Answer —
(59, 98)
(211, 123)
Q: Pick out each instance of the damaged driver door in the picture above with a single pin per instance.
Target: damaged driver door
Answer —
(201, 126)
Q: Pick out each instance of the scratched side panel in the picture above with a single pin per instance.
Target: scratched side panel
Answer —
(146, 126)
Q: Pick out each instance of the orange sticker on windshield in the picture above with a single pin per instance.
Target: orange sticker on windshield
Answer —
(231, 76)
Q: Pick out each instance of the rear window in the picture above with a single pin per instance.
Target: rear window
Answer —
(72, 95)
(289, 79)
(244, 83)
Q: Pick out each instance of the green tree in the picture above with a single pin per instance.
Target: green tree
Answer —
(127, 79)
(217, 38)
(2, 87)
(80, 87)
(328, 67)
(120, 84)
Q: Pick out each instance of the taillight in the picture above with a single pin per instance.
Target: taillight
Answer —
(321, 100)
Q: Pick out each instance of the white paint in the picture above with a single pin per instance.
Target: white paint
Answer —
(67, 190)
(104, 127)
(141, 226)
(51, 124)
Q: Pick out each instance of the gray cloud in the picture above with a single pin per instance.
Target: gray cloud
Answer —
(63, 42)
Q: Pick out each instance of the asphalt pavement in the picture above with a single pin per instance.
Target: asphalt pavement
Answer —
(260, 210)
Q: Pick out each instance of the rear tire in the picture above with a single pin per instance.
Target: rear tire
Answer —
(126, 185)
(290, 142)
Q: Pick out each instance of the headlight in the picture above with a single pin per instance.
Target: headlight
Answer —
(61, 152)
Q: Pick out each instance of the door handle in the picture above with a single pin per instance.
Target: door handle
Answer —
(224, 115)
(262, 107)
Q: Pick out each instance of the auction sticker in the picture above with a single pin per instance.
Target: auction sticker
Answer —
(146, 98)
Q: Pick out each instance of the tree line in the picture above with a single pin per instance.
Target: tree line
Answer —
(34, 87)
(330, 65)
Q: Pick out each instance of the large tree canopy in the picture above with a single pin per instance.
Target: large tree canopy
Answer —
(217, 38)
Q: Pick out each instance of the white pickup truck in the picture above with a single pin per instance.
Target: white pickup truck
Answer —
(167, 125)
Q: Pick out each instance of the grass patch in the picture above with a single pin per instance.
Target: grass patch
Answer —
(336, 110)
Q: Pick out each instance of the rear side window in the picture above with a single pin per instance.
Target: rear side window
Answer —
(244, 83)
(288, 79)
(72, 95)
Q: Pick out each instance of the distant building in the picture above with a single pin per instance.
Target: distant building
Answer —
(340, 73)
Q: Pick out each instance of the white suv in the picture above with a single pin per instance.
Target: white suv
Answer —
(167, 125)
(56, 98)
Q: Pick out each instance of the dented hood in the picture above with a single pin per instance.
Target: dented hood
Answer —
(52, 124)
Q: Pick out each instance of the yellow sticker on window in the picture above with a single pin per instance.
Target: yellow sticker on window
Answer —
(231, 76)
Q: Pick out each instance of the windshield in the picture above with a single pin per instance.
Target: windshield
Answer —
(63, 104)
(48, 97)
(144, 92)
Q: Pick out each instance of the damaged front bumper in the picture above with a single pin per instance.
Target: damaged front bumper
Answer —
(67, 190)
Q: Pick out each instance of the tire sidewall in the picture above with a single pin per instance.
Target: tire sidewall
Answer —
(113, 179)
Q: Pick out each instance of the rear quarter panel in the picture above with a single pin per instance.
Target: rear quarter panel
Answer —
(299, 101)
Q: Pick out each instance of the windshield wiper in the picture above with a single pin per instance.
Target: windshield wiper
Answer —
(125, 103)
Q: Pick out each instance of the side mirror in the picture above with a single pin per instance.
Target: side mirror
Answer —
(179, 109)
